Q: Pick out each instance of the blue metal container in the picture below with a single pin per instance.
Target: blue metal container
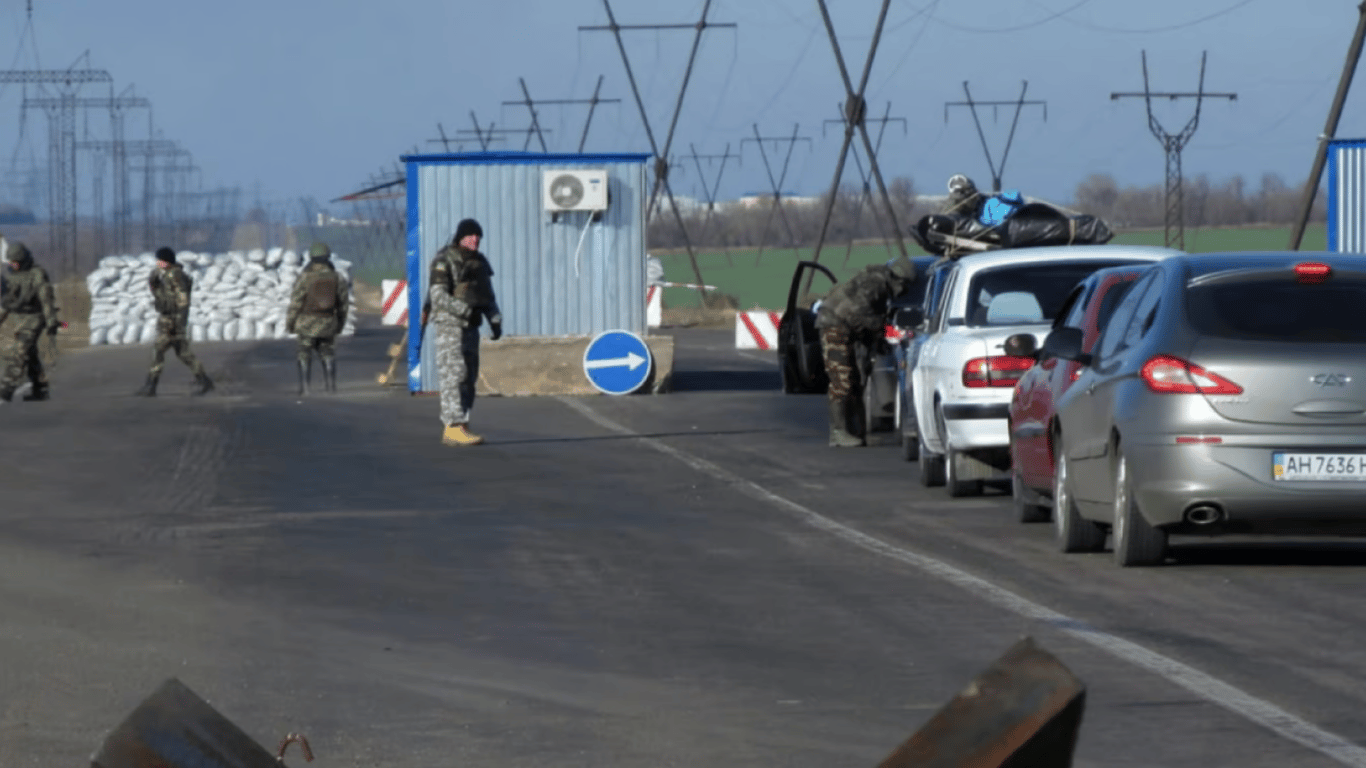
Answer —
(1347, 196)
(556, 272)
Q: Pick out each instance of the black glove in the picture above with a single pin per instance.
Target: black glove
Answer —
(52, 329)
(497, 329)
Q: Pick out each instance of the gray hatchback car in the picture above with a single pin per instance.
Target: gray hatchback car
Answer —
(1226, 394)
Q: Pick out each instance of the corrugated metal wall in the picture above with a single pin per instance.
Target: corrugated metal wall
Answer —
(1347, 196)
(567, 277)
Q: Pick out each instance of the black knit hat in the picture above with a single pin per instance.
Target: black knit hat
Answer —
(466, 228)
(166, 254)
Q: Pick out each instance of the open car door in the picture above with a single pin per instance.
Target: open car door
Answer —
(800, 359)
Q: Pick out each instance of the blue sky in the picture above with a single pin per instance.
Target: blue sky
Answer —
(309, 98)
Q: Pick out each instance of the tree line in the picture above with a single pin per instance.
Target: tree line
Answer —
(859, 214)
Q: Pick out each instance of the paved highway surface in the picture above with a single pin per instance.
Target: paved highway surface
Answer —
(688, 580)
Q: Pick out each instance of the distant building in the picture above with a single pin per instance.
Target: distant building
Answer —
(755, 199)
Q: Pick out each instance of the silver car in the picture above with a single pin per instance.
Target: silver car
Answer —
(1226, 394)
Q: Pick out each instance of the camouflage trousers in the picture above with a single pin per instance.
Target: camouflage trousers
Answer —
(23, 360)
(840, 346)
(172, 335)
(457, 366)
(325, 346)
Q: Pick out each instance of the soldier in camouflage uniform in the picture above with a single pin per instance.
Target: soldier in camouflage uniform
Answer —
(318, 306)
(27, 295)
(460, 295)
(171, 288)
(854, 313)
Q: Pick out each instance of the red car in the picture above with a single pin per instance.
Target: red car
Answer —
(1032, 405)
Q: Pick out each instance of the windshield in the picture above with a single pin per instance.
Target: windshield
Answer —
(1024, 294)
(1280, 310)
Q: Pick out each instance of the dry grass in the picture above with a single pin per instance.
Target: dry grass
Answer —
(697, 317)
(73, 306)
(369, 298)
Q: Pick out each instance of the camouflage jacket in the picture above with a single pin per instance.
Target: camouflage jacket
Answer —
(461, 288)
(28, 292)
(171, 289)
(860, 303)
(319, 302)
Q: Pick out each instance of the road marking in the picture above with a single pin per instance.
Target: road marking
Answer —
(1203, 685)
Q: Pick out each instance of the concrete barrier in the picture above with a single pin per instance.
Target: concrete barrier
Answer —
(539, 365)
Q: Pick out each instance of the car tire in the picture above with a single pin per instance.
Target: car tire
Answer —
(1136, 541)
(1072, 532)
(910, 444)
(958, 488)
(931, 465)
(1026, 512)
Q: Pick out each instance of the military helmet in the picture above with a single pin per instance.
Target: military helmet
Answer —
(18, 253)
(902, 267)
(319, 251)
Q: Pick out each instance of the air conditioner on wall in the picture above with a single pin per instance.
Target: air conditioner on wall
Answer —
(575, 190)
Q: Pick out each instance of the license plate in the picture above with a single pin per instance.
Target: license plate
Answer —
(1319, 467)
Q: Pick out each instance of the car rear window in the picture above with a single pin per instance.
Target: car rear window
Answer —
(1026, 293)
(1333, 312)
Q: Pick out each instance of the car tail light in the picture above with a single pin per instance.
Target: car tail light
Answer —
(894, 334)
(1312, 272)
(1172, 375)
(998, 371)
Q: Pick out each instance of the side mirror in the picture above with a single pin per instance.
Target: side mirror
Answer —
(1022, 345)
(908, 318)
(1065, 344)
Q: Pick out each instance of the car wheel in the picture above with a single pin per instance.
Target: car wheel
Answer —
(1072, 532)
(872, 420)
(1136, 542)
(931, 465)
(958, 488)
(910, 444)
(1026, 512)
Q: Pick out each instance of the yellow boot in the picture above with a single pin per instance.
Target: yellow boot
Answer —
(460, 435)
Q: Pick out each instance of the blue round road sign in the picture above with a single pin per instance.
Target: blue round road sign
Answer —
(617, 362)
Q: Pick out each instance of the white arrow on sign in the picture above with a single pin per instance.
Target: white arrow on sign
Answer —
(632, 360)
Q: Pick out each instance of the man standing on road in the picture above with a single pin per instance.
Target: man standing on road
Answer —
(171, 287)
(460, 293)
(855, 313)
(26, 294)
(318, 306)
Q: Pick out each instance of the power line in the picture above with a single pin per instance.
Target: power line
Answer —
(1019, 105)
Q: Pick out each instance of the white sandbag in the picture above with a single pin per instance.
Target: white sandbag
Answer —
(149, 333)
(131, 333)
(215, 331)
(274, 256)
(98, 336)
(197, 332)
(264, 330)
(246, 329)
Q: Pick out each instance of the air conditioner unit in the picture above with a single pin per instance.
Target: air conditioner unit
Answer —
(575, 190)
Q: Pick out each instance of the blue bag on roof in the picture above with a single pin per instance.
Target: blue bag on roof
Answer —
(1000, 206)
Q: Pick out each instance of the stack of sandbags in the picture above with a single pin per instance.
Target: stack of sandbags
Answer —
(237, 296)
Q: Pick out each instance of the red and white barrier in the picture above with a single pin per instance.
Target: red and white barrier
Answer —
(395, 302)
(654, 306)
(756, 329)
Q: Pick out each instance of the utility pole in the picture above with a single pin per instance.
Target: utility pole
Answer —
(661, 157)
(1311, 185)
(116, 106)
(710, 190)
(855, 120)
(61, 147)
(1172, 144)
(776, 184)
(1019, 105)
(535, 118)
(866, 197)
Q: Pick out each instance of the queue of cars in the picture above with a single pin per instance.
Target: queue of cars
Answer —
(1132, 393)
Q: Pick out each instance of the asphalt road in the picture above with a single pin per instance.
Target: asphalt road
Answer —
(683, 580)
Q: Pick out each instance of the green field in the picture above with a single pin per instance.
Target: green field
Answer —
(764, 285)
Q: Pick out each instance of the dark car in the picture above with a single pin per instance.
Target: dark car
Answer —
(1032, 406)
(802, 363)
